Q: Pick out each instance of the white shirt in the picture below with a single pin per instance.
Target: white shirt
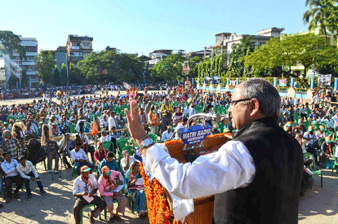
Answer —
(179, 126)
(335, 119)
(228, 168)
(319, 135)
(111, 123)
(192, 111)
(308, 135)
(10, 168)
(105, 138)
(166, 135)
(84, 138)
(79, 184)
(24, 170)
(78, 155)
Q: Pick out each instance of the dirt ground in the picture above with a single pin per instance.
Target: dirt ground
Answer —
(55, 207)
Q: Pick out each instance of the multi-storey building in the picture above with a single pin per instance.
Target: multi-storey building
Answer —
(15, 65)
(60, 57)
(225, 42)
(157, 55)
(78, 48)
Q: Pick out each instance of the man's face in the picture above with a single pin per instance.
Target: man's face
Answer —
(85, 174)
(8, 157)
(23, 162)
(109, 159)
(240, 112)
(126, 155)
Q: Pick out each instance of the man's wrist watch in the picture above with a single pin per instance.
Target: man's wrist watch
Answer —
(146, 142)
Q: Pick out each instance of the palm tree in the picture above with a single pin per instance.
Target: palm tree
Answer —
(318, 13)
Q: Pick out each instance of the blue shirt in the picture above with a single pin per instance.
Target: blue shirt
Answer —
(112, 165)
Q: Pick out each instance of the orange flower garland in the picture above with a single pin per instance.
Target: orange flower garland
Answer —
(158, 207)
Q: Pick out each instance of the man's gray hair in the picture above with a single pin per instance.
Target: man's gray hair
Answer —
(266, 94)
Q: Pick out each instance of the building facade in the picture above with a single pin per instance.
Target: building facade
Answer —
(15, 65)
(225, 42)
(78, 48)
(157, 55)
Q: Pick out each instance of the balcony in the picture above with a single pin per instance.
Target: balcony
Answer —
(28, 63)
(75, 47)
(31, 54)
(30, 72)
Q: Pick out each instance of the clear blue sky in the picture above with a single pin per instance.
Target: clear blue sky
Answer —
(141, 26)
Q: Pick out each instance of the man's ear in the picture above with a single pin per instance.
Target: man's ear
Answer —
(255, 107)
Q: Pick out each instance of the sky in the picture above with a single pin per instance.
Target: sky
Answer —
(141, 26)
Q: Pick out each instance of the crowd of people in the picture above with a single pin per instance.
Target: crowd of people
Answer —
(45, 92)
(86, 133)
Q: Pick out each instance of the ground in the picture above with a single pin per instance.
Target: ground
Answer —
(319, 206)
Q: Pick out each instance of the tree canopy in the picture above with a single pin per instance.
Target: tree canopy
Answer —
(108, 66)
(44, 66)
(307, 50)
(169, 68)
(10, 42)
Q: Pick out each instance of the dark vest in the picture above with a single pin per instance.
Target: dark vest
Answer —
(273, 195)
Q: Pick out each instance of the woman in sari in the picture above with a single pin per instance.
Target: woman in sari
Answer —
(136, 188)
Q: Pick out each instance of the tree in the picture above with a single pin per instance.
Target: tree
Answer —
(64, 76)
(169, 68)
(56, 77)
(75, 76)
(108, 66)
(24, 79)
(10, 42)
(44, 65)
(318, 13)
(13, 81)
(282, 53)
(236, 65)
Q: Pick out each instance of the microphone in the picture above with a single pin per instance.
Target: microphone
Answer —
(224, 119)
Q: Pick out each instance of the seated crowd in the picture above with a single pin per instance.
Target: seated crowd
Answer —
(46, 130)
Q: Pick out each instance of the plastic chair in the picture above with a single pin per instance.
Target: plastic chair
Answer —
(72, 128)
(314, 170)
(335, 164)
(121, 143)
(154, 137)
(92, 205)
(108, 145)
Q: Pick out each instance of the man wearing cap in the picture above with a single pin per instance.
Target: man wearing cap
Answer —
(107, 184)
(28, 172)
(9, 168)
(327, 150)
(84, 189)
(80, 158)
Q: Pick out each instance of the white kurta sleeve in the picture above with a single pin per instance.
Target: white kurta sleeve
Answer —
(229, 168)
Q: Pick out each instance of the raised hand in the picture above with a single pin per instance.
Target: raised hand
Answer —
(135, 126)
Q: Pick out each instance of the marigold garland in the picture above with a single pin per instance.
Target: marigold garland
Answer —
(158, 207)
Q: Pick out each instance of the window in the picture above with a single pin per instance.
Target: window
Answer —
(85, 44)
(76, 54)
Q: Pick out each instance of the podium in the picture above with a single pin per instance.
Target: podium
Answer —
(204, 206)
